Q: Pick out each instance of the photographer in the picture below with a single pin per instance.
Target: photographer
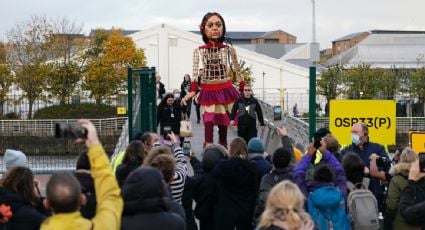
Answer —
(377, 162)
(169, 115)
(64, 195)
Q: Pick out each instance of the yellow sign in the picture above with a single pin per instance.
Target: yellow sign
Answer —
(417, 141)
(121, 110)
(378, 115)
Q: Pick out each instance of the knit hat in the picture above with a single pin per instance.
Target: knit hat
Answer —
(13, 158)
(255, 145)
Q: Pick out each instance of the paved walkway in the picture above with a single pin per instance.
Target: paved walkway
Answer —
(198, 134)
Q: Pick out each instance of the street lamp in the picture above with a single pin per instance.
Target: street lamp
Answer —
(263, 86)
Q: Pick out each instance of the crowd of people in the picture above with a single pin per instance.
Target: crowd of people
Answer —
(154, 185)
(239, 187)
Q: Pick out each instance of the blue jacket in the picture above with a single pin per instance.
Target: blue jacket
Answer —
(368, 149)
(299, 175)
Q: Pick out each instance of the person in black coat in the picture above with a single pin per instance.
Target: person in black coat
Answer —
(237, 195)
(169, 114)
(18, 192)
(247, 109)
(160, 87)
(189, 186)
(146, 202)
(133, 158)
(206, 191)
(412, 201)
(83, 175)
(184, 90)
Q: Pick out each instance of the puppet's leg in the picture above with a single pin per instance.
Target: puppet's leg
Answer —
(222, 134)
(209, 129)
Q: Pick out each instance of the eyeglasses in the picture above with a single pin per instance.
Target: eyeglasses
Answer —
(247, 90)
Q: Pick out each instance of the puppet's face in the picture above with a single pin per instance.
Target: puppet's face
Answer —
(214, 28)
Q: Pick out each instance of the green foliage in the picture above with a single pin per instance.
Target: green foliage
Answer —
(62, 80)
(9, 116)
(108, 59)
(330, 83)
(69, 111)
(6, 80)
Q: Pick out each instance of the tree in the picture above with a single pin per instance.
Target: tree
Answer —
(245, 71)
(67, 45)
(330, 83)
(6, 80)
(388, 82)
(362, 82)
(28, 51)
(2, 53)
(108, 59)
(417, 82)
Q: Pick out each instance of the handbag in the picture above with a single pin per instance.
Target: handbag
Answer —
(185, 127)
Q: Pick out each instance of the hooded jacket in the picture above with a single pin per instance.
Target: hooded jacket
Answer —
(146, 202)
(400, 174)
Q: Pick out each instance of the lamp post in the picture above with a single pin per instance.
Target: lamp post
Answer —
(263, 86)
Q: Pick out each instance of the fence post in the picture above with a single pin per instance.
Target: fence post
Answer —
(312, 102)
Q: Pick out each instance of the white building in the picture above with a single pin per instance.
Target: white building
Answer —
(170, 50)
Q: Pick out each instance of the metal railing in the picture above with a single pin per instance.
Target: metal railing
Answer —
(45, 153)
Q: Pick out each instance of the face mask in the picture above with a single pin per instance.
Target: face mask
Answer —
(176, 95)
(355, 139)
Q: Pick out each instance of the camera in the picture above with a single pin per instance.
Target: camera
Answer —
(383, 162)
(186, 148)
(165, 131)
(421, 161)
(316, 141)
(71, 130)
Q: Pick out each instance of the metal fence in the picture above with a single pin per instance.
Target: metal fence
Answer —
(15, 103)
(45, 152)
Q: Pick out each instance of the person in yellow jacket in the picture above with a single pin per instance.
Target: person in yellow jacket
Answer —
(64, 192)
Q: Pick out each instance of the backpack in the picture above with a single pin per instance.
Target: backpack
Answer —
(326, 206)
(362, 206)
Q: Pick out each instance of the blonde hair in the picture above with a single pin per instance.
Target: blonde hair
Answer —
(285, 206)
(408, 155)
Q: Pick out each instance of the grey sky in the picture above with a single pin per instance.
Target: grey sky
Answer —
(334, 18)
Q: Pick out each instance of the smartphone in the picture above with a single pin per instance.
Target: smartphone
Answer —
(316, 141)
(165, 131)
(422, 161)
(187, 146)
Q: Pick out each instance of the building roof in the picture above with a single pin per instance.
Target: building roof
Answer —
(247, 35)
(384, 50)
(348, 37)
(397, 32)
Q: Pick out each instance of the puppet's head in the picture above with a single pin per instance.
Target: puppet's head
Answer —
(213, 27)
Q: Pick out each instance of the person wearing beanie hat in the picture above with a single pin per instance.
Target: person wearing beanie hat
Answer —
(282, 170)
(255, 145)
(13, 158)
(256, 155)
